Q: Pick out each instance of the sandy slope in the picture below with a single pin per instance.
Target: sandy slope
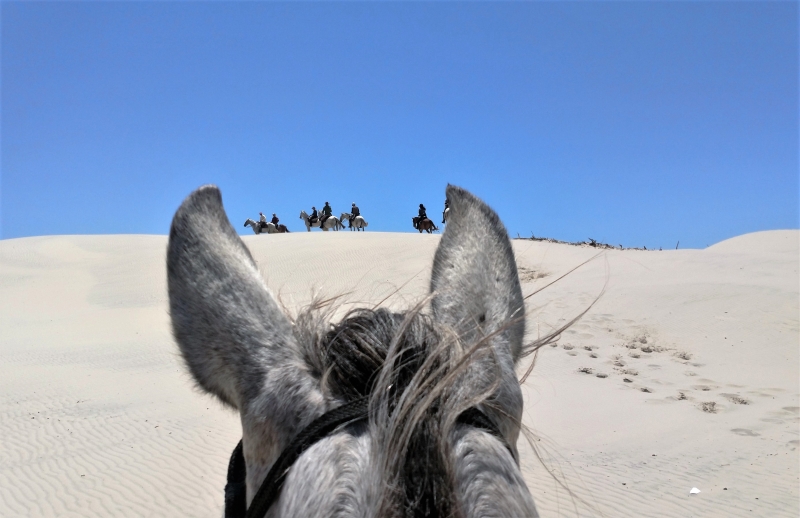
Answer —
(99, 418)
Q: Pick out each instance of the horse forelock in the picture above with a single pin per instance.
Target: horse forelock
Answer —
(405, 364)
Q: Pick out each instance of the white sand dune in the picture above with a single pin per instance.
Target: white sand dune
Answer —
(699, 349)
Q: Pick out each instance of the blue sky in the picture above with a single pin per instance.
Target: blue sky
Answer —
(631, 123)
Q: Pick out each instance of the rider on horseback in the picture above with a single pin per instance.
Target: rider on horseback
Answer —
(444, 212)
(326, 213)
(423, 215)
(275, 219)
(354, 213)
(313, 218)
(262, 220)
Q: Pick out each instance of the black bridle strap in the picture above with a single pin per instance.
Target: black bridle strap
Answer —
(357, 410)
(320, 427)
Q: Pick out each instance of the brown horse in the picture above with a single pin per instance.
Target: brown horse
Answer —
(426, 224)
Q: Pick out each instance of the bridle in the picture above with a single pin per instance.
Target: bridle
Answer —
(354, 411)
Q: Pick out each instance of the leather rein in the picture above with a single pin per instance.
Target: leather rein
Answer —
(354, 411)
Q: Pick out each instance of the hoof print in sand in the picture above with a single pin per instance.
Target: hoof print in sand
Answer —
(601, 375)
(626, 380)
(586, 370)
(745, 432)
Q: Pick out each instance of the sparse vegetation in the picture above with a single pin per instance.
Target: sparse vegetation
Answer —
(709, 406)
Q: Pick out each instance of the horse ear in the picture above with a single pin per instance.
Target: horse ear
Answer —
(225, 321)
(474, 282)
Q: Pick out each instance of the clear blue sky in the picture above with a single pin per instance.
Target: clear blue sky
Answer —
(635, 123)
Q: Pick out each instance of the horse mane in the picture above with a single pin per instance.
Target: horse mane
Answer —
(414, 373)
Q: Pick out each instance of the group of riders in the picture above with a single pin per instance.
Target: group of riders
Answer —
(327, 212)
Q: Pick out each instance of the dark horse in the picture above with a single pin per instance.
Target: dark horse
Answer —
(426, 225)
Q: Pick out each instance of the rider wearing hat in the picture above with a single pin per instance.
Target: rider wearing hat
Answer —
(313, 218)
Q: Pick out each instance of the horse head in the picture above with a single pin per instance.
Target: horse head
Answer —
(420, 371)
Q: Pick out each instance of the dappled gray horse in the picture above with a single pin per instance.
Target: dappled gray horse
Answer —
(442, 402)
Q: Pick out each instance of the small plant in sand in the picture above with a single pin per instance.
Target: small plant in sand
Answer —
(709, 406)
(736, 399)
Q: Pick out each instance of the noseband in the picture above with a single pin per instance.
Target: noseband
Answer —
(355, 411)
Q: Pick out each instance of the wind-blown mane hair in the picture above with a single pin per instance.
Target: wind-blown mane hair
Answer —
(407, 366)
(421, 370)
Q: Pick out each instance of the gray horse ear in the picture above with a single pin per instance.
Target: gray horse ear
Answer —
(224, 319)
(474, 282)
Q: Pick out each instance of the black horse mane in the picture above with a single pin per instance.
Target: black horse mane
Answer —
(355, 353)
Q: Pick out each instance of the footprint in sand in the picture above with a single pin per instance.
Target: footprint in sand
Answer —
(745, 432)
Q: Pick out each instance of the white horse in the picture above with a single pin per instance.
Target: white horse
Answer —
(384, 414)
(330, 223)
(270, 227)
(359, 223)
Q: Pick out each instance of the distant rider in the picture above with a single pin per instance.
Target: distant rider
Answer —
(354, 213)
(313, 218)
(326, 213)
(262, 220)
(275, 219)
(423, 215)
(444, 212)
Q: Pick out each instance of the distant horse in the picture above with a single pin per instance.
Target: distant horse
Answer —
(426, 224)
(331, 223)
(359, 223)
(383, 414)
(267, 228)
